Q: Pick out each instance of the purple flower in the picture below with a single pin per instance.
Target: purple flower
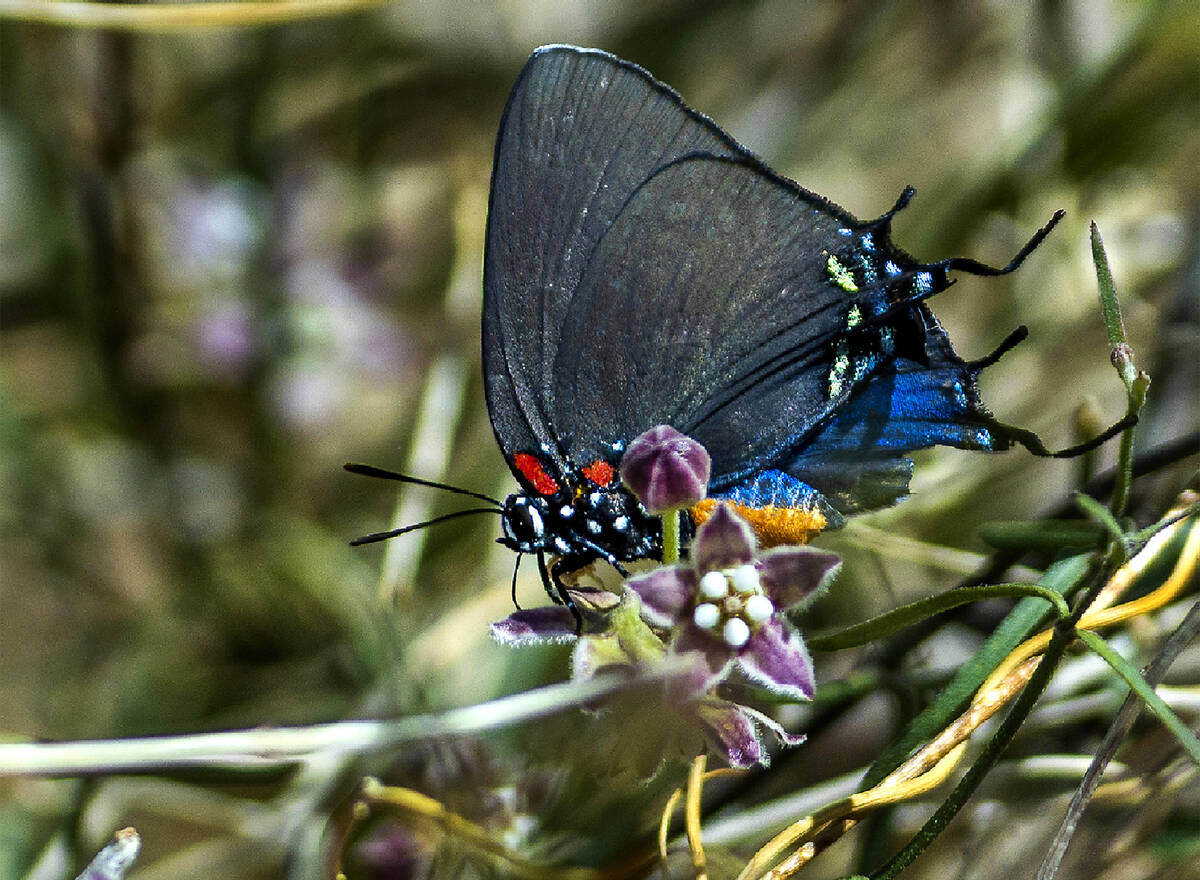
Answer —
(551, 624)
(666, 470)
(734, 731)
(728, 608)
(546, 625)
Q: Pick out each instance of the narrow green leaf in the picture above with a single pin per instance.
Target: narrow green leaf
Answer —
(1041, 535)
(1108, 291)
(1140, 537)
(1103, 517)
(1134, 679)
(907, 615)
(1028, 616)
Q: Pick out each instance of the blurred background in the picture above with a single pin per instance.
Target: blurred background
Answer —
(234, 257)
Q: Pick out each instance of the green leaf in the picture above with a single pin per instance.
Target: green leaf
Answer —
(907, 615)
(1041, 535)
(1103, 517)
(1142, 688)
(1027, 617)
(1109, 304)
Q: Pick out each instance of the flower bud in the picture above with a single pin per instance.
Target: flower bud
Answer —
(666, 470)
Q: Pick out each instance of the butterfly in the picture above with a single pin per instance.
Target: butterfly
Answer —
(643, 268)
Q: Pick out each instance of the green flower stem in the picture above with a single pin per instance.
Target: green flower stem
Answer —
(670, 542)
(1027, 617)
(1104, 517)
(1064, 633)
(633, 634)
(1124, 481)
(1136, 382)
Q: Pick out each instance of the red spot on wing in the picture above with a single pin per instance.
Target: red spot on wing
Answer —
(600, 472)
(531, 469)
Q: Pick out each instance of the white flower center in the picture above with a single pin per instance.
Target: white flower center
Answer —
(707, 615)
(736, 632)
(714, 585)
(758, 608)
(744, 579)
(732, 604)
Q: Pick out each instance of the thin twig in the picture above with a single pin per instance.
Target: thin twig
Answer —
(266, 747)
(468, 833)
(1183, 635)
(165, 17)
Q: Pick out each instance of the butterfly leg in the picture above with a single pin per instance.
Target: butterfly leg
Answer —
(516, 569)
(552, 576)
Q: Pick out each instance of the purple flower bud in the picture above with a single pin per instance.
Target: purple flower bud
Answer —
(393, 852)
(666, 470)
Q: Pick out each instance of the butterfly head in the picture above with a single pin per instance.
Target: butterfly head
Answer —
(593, 523)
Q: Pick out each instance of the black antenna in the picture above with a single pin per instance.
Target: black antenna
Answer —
(367, 470)
(383, 536)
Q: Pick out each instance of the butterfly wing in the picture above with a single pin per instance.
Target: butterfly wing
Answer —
(581, 132)
(857, 459)
(707, 306)
(643, 268)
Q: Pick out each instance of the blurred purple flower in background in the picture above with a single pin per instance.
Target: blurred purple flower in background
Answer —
(225, 337)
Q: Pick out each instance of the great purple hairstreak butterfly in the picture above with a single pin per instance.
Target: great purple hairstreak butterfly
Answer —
(643, 268)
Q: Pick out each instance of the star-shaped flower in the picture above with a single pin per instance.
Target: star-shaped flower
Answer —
(727, 608)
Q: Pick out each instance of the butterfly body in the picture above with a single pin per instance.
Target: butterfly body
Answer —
(590, 515)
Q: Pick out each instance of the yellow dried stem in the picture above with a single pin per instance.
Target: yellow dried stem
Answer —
(691, 816)
(468, 833)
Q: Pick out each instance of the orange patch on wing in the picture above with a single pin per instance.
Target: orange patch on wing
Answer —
(599, 472)
(532, 470)
(773, 525)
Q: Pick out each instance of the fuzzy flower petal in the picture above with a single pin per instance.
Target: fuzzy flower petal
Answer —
(665, 469)
(777, 729)
(664, 593)
(724, 541)
(547, 625)
(776, 657)
(735, 732)
(732, 734)
(793, 575)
